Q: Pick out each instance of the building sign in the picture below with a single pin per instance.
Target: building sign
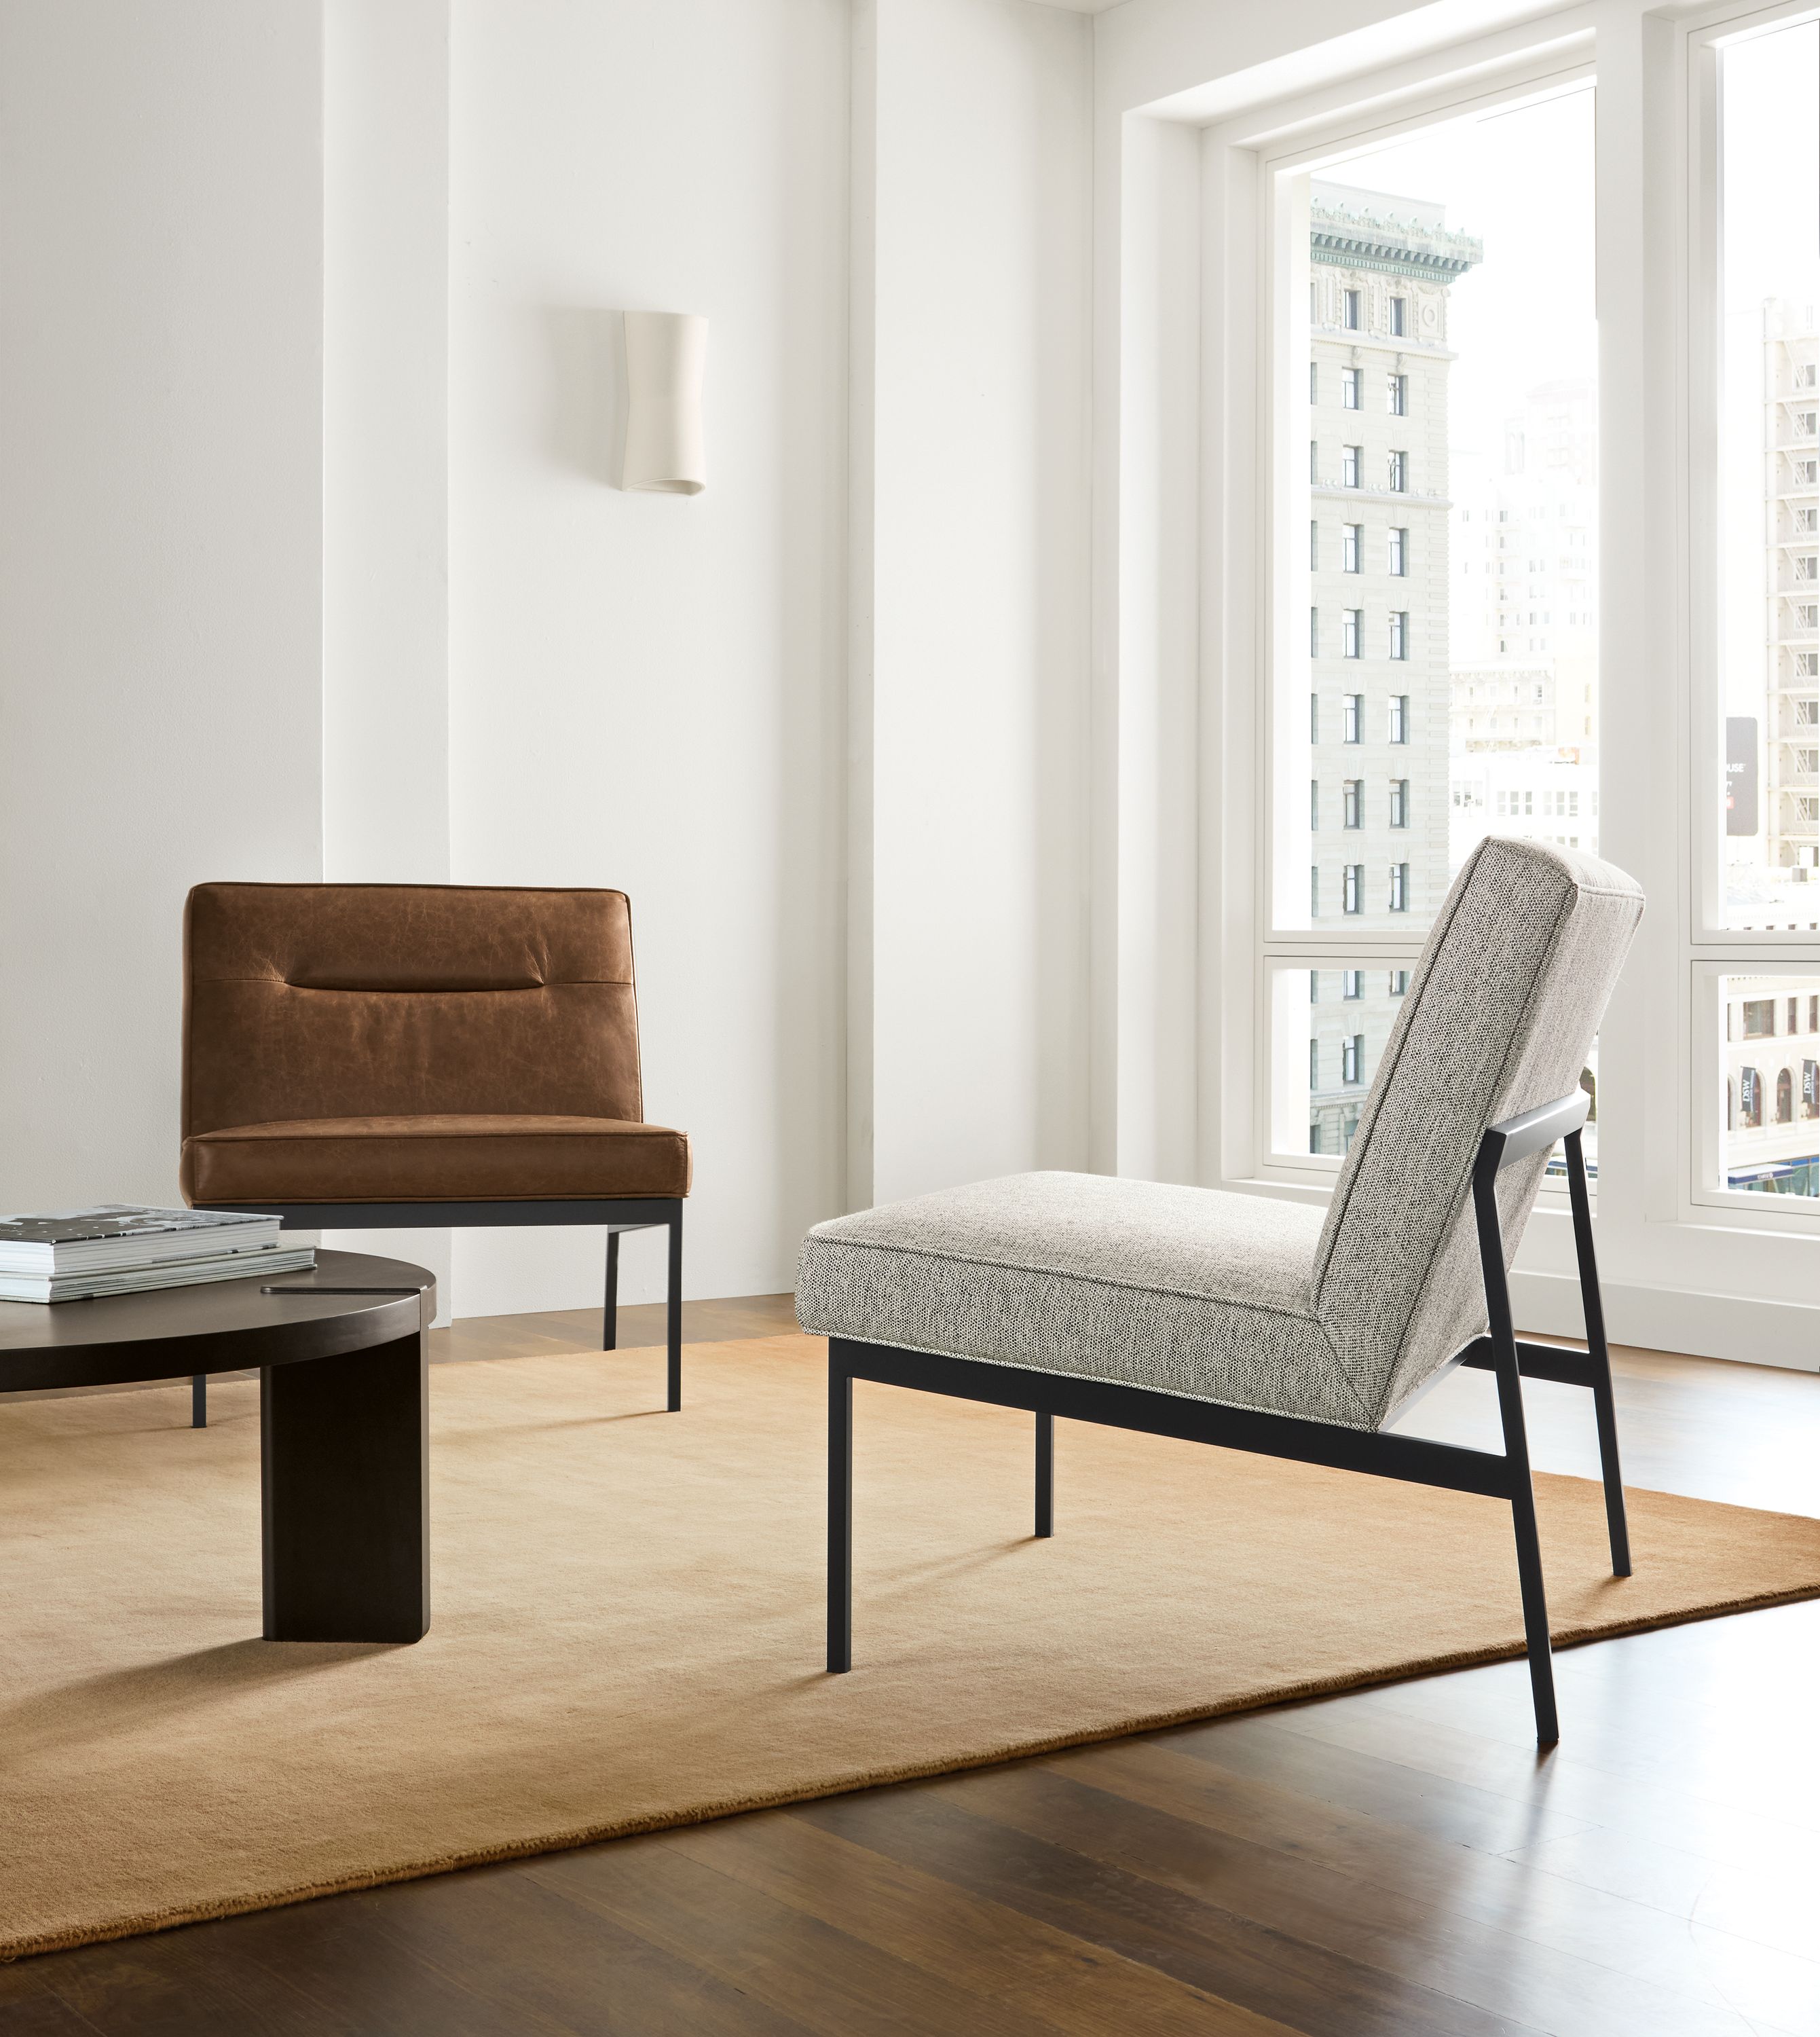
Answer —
(1741, 774)
(1749, 1097)
(1811, 1089)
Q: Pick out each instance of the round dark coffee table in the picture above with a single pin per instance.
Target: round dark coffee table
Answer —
(343, 1419)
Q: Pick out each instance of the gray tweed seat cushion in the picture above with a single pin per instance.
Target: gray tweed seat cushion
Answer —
(1338, 1316)
(1194, 1291)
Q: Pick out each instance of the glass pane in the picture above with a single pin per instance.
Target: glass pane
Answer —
(1328, 1029)
(1450, 666)
(1769, 1037)
(1769, 478)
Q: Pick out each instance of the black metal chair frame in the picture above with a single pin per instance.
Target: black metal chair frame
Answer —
(1414, 1458)
(614, 1214)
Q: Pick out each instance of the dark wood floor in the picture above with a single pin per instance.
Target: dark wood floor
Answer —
(1395, 1863)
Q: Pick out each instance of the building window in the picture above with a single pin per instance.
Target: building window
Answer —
(1314, 632)
(1350, 310)
(1352, 629)
(1314, 805)
(1314, 545)
(1349, 388)
(1314, 381)
(1814, 1014)
(1400, 887)
(1314, 717)
(1399, 717)
(1398, 983)
(1351, 983)
(1399, 633)
(1759, 1017)
(1794, 1015)
(1353, 789)
(1784, 1098)
(1352, 1060)
(1314, 1134)
(1315, 1068)
(1314, 891)
(1352, 897)
(1352, 547)
(1399, 803)
(1352, 718)
(1314, 461)
(1399, 318)
(1399, 473)
(1399, 554)
(1399, 394)
(1350, 457)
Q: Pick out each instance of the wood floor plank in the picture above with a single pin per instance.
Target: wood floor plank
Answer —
(830, 1982)
(1228, 1957)
(1375, 1921)
(1077, 1989)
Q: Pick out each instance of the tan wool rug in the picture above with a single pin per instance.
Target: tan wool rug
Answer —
(628, 1619)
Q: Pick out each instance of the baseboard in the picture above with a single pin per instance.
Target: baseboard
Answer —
(1741, 1328)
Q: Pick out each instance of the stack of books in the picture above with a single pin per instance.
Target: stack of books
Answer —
(120, 1248)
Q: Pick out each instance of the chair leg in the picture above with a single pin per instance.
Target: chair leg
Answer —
(840, 1514)
(610, 1325)
(1045, 1475)
(198, 1400)
(1516, 1453)
(674, 1315)
(1604, 1407)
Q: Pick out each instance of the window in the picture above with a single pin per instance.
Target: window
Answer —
(1314, 806)
(1400, 887)
(1399, 553)
(1784, 1098)
(1350, 310)
(1314, 632)
(1314, 459)
(1759, 1017)
(1314, 545)
(1399, 718)
(1351, 460)
(1397, 393)
(1397, 985)
(1399, 477)
(1314, 1071)
(1352, 718)
(1399, 317)
(1351, 983)
(1349, 388)
(1353, 792)
(1352, 1060)
(1352, 631)
(1314, 718)
(1769, 1144)
(1399, 803)
(1314, 381)
(1352, 547)
(1314, 891)
(1399, 634)
(1352, 888)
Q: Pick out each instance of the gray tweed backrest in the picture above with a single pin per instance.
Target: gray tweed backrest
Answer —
(1499, 1018)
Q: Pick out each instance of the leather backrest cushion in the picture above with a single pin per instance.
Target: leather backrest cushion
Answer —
(354, 1000)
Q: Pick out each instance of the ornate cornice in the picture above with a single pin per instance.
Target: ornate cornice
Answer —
(1345, 241)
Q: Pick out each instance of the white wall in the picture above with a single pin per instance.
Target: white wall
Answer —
(975, 774)
(160, 511)
(646, 690)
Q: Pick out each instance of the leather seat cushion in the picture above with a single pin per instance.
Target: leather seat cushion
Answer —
(442, 1158)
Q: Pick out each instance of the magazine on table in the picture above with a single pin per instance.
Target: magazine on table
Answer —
(113, 1236)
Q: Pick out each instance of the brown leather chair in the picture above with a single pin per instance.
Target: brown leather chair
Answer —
(395, 1057)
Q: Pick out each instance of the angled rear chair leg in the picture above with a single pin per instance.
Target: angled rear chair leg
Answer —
(840, 1512)
(199, 1401)
(673, 1325)
(1515, 1443)
(1045, 1475)
(610, 1325)
(1604, 1407)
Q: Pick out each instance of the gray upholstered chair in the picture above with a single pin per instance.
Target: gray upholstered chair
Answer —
(1268, 1325)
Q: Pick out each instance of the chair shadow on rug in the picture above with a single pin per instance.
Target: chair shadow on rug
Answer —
(1260, 1324)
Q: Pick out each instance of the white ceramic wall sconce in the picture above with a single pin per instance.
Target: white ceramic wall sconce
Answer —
(665, 354)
